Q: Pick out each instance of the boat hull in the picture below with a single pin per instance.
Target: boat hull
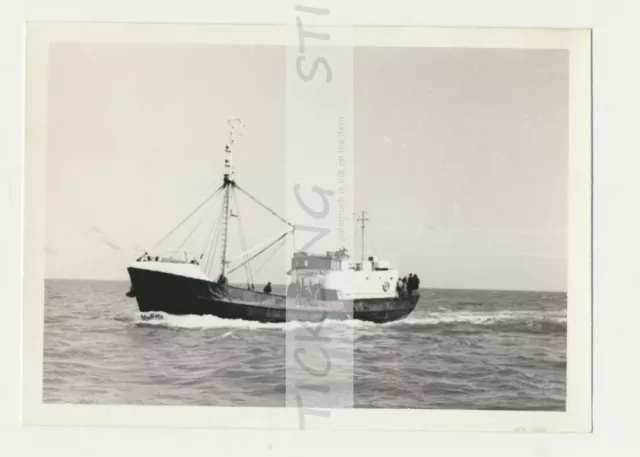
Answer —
(157, 291)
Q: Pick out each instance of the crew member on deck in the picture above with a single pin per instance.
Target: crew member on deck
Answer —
(267, 288)
(413, 283)
(410, 283)
(302, 289)
(416, 282)
(315, 289)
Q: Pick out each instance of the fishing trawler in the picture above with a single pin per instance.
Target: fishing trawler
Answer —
(326, 285)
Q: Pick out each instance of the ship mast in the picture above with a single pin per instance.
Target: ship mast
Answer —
(362, 219)
(228, 184)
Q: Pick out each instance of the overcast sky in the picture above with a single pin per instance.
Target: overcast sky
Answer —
(460, 156)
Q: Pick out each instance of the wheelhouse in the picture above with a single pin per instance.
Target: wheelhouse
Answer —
(304, 261)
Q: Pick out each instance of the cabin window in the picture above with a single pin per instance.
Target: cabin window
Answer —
(319, 263)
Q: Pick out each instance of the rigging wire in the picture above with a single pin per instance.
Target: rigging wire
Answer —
(192, 232)
(214, 227)
(355, 232)
(262, 250)
(215, 240)
(293, 240)
(212, 253)
(274, 252)
(373, 246)
(264, 206)
(267, 243)
(243, 241)
(209, 242)
(189, 216)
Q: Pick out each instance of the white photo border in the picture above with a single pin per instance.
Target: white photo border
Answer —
(576, 418)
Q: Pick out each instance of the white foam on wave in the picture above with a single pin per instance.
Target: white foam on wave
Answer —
(192, 321)
(479, 318)
(211, 322)
(161, 319)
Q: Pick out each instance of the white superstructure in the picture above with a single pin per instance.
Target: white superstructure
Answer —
(350, 280)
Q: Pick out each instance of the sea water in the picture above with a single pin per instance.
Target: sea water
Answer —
(459, 349)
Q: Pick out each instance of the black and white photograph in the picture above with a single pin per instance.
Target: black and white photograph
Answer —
(170, 269)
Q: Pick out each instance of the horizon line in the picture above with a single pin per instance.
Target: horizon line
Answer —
(427, 287)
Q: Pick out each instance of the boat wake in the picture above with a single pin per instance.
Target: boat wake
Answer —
(504, 321)
(162, 319)
(479, 322)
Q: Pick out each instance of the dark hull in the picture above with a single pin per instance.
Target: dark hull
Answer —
(180, 295)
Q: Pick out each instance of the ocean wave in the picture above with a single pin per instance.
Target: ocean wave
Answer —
(504, 321)
(190, 321)
(520, 322)
(481, 318)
